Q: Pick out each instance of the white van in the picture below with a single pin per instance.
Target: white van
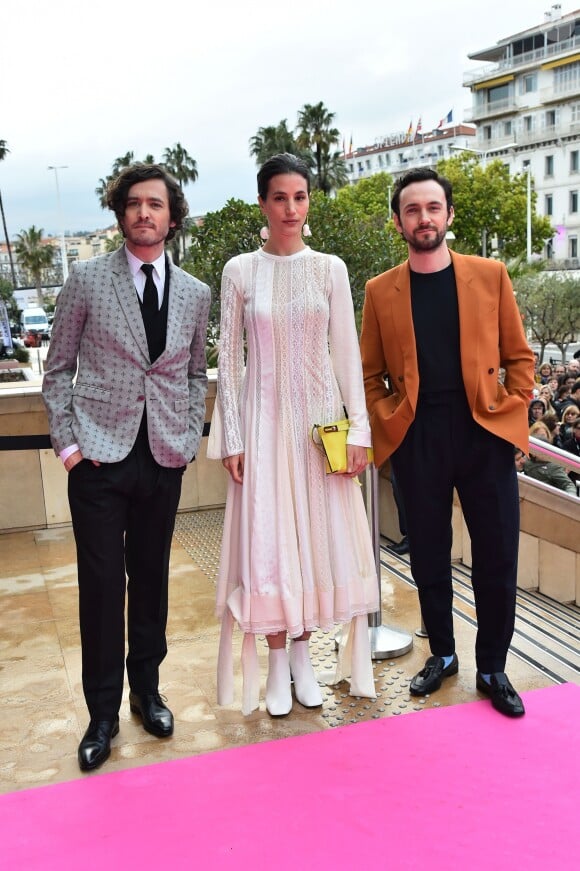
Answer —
(34, 318)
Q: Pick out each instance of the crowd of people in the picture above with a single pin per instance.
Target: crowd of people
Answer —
(554, 418)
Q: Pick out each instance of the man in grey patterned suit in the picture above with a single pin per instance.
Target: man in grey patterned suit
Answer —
(125, 389)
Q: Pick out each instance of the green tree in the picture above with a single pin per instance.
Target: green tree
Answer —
(550, 306)
(489, 203)
(234, 229)
(272, 140)
(366, 241)
(317, 135)
(114, 244)
(34, 256)
(183, 167)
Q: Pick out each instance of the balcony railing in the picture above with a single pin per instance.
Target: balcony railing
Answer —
(490, 110)
(534, 57)
(560, 91)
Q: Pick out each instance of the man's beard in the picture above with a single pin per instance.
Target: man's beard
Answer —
(424, 244)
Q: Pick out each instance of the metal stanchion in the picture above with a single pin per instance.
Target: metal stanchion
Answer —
(386, 642)
(421, 631)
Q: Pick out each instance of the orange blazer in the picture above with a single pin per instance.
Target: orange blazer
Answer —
(491, 338)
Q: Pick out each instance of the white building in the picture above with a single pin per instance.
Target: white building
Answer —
(400, 152)
(80, 247)
(526, 106)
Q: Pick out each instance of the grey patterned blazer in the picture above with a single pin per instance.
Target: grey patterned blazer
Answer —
(98, 327)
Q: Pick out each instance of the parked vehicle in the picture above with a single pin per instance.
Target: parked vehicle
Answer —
(34, 318)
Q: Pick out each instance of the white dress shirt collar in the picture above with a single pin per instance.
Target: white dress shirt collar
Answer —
(139, 276)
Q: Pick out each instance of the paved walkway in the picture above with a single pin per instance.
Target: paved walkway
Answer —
(44, 715)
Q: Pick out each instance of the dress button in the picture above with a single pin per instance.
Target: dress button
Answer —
(140, 399)
(148, 372)
(490, 371)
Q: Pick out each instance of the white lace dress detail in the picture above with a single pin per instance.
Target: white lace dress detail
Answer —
(296, 551)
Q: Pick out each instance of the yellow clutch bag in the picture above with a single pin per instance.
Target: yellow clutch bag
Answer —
(330, 439)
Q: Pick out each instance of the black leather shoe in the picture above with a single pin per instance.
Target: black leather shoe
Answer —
(401, 548)
(502, 694)
(433, 672)
(156, 716)
(95, 747)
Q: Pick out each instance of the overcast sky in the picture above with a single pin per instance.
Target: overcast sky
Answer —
(83, 83)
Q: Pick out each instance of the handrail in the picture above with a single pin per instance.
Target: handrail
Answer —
(555, 455)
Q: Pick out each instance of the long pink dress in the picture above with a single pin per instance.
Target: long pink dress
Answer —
(296, 551)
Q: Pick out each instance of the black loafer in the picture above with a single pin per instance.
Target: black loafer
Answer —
(156, 716)
(401, 548)
(95, 747)
(502, 694)
(432, 674)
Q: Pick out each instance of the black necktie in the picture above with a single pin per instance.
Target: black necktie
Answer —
(150, 297)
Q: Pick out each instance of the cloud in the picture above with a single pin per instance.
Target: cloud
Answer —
(89, 83)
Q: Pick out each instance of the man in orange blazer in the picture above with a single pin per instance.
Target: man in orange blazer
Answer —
(448, 376)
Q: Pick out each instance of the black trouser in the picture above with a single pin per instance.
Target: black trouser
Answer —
(123, 518)
(445, 448)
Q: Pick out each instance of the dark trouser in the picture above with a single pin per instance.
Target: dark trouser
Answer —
(123, 517)
(444, 448)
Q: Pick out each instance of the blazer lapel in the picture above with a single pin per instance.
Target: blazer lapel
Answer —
(177, 305)
(128, 299)
(402, 315)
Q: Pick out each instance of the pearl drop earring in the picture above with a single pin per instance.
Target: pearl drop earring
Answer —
(306, 231)
(265, 234)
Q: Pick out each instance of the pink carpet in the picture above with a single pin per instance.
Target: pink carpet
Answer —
(448, 788)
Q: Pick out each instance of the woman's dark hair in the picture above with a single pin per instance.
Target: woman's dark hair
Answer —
(118, 192)
(281, 164)
(415, 175)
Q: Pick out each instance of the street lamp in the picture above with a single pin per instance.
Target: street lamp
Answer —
(529, 212)
(62, 242)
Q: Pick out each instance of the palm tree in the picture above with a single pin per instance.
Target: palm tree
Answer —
(4, 150)
(183, 167)
(334, 172)
(317, 134)
(34, 257)
(113, 244)
(273, 140)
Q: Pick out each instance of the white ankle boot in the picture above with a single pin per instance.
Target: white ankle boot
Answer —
(306, 687)
(278, 693)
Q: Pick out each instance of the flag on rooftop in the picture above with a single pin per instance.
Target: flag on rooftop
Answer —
(410, 131)
(419, 130)
(447, 120)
